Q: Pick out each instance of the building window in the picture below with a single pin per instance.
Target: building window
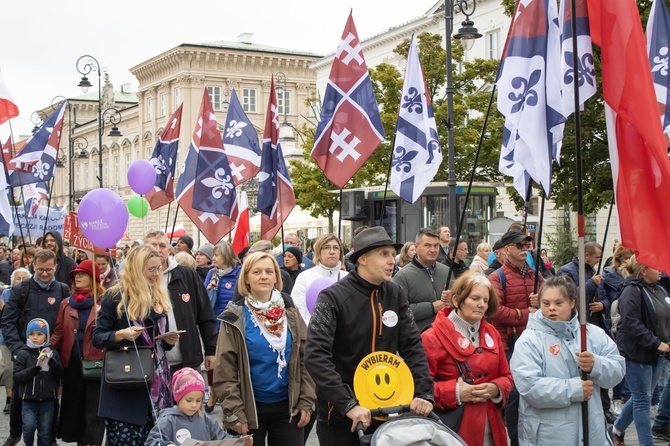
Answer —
(117, 171)
(249, 100)
(86, 175)
(163, 105)
(150, 109)
(127, 162)
(493, 44)
(105, 174)
(177, 98)
(284, 103)
(215, 97)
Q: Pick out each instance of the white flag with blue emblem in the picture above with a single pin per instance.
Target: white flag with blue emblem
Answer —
(658, 42)
(416, 154)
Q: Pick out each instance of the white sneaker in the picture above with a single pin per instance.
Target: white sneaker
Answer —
(616, 407)
(654, 411)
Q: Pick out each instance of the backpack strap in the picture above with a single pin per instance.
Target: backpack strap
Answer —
(503, 280)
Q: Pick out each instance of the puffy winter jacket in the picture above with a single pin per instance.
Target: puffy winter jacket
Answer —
(547, 376)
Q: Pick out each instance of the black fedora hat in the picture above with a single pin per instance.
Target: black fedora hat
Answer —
(370, 239)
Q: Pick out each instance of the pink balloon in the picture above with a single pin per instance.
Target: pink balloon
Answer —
(103, 217)
(314, 289)
(141, 176)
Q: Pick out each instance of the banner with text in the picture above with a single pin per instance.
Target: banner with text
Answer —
(78, 240)
(35, 224)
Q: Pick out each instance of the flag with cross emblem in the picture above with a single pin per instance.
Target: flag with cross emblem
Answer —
(241, 143)
(350, 127)
(164, 160)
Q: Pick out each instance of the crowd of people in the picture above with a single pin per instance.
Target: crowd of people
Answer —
(496, 342)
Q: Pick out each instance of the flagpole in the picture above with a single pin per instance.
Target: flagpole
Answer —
(46, 221)
(25, 215)
(174, 223)
(472, 179)
(607, 229)
(167, 218)
(339, 218)
(538, 246)
(526, 205)
(11, 188)
(388, 175)
(580, 216)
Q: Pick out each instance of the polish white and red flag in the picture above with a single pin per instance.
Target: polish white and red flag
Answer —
(8, 108)
(350, 127)
(241, 238)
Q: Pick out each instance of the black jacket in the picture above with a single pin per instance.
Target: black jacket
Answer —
(193, 313)
(636, 332)
(39, 303)
(492, 267)
(345, 327)
(65, 263)
(34, 384)
(457, 268)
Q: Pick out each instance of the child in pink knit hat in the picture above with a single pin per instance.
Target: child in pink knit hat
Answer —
(186, 420)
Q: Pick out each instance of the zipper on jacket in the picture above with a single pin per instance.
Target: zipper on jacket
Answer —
(253, 405)
(374, 319)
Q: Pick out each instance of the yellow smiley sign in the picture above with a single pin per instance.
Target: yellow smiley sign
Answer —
(383, 379)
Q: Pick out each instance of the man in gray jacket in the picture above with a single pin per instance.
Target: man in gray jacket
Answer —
(424, 279)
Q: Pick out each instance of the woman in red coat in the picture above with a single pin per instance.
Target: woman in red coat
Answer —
(78, 421)
(461, 334)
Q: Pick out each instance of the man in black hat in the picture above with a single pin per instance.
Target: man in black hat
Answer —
(514, 283)
(184, 244)
(362, 313)
(500, 254)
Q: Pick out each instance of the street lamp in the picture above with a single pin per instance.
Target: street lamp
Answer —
(467, 35)
(85, 65)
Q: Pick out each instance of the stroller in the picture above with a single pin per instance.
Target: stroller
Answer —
(405, 429)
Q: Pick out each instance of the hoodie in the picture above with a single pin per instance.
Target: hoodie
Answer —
(174, 426)
(34, 383)
(65, 263)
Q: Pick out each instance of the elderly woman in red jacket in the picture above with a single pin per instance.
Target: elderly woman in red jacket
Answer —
(73, 337)
(460, 339)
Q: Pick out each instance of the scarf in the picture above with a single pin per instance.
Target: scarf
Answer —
(80, 295)
(270, 317)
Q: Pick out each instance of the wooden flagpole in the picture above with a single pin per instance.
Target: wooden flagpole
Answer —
(167, 218)
(607, 229)
(174, 223)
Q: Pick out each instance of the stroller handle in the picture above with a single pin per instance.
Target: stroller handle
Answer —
(389, 411)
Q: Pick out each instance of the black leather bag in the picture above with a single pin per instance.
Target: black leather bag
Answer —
(129, 367)
(452, 417)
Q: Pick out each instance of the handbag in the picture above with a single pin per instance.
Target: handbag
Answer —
(90, 368)
(452, 417)
(513, 337)
(129, 367)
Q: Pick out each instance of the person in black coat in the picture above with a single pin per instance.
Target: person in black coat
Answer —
(53, 241)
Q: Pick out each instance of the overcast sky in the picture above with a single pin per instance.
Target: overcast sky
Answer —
(41, 41)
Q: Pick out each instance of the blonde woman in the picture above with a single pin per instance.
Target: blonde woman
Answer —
(136, 310)
(407, 253)
(480, 263)
(260, 369)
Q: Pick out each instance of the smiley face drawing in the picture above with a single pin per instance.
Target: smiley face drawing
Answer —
(383, 379)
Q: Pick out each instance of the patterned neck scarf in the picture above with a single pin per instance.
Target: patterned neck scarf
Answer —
(270, 317)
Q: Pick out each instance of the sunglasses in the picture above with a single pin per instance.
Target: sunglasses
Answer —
(522, 245)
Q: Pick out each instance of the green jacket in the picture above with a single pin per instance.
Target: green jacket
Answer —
(422, 289)
(232, 377)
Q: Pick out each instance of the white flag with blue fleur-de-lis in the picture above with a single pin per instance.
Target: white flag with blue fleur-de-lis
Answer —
(416, 154)
(658, 43)
(529, 95)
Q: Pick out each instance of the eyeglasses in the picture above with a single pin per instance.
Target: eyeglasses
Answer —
(80, 273)
(522, 245)
(155, 270)
(335, 248)
(463, 249)
(44, 270)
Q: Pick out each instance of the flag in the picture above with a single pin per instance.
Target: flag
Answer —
(8, 108)
(240, 141)
(350, 127)
(214, 188)
(585, 73)
(658, 43)
(164, 160)
(276, 198)
(177, 232)
(416, 155)
(529, 95)
(241, 239)
(213, 226)
(6, 218)
(37, 160)
(33, 194)
(638, 155)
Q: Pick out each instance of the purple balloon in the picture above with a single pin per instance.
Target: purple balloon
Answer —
(141, 176)
(314, 289)
(103, 217)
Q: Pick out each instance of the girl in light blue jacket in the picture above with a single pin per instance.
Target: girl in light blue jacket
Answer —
(547, 364)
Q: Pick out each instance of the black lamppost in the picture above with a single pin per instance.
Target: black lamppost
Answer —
(85, 65)
(281, 91)
(467, 35)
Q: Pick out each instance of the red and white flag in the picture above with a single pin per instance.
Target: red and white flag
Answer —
(8, 108)
(638, 154)
(350, 127)
(241, 239)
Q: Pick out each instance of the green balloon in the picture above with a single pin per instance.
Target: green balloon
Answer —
(138, 206)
